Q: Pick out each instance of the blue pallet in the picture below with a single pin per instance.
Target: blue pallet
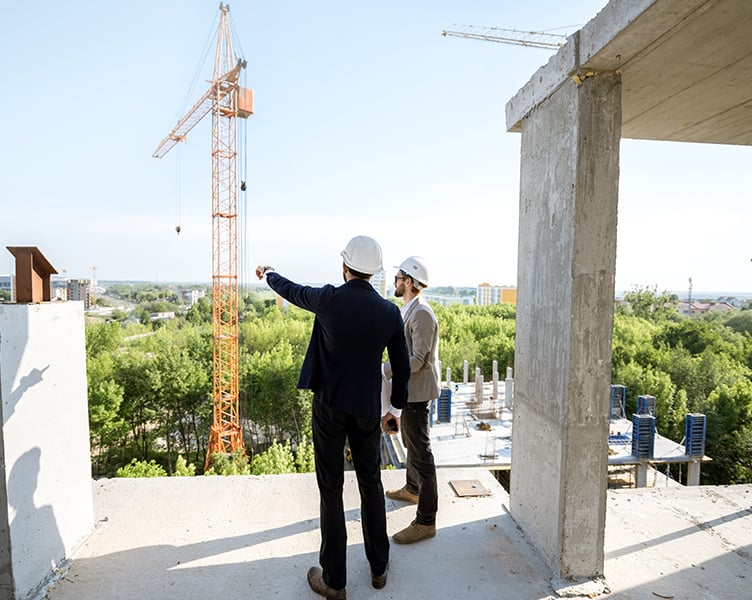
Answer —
(646, 405)
(619, 439)
(444, 412)
(617, 399)
(643, 435)
(694, 434)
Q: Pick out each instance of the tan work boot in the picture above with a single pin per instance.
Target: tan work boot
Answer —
(402, 494)
(414, 533)
(318, 585)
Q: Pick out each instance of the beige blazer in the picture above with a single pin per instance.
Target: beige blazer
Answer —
(422, 333)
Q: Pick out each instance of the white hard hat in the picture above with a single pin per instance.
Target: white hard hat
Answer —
(363, 254)
(416, 268)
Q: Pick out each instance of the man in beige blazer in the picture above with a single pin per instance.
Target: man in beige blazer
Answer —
(422, 334)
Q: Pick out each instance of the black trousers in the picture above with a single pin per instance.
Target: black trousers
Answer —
(421, 469)
(330, 427)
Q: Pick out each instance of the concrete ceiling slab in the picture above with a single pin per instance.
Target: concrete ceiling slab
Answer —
(686, 68)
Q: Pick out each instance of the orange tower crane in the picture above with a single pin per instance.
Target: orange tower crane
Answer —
(227, 101)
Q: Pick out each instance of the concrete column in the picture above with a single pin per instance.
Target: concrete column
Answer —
(464, 372)
(641, 475)
(478, 384)
(508, 389)
(449, 377)
(693, 472)
(565, 299)
(495, 382)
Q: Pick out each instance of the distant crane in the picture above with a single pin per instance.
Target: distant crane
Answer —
(93, 286)
(227, 101)
(532, 39)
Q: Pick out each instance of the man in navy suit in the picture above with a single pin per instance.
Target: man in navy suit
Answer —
(342, 366)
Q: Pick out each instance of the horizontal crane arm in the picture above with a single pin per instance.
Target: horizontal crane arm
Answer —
(226, 84)
(518, 38)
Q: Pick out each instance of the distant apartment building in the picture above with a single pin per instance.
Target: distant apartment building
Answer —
(190, 296)
(487, 294)
(445, 300)
(694, 309)
(378, 281)
(6, 284)
(59, 288)
(80, 290)
(161, 316)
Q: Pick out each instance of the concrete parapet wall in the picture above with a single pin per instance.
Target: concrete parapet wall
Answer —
(46, 505)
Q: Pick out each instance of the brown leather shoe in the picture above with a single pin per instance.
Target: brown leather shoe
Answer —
(402, 494)
(379, 581)
(318, 585)
(414, 533)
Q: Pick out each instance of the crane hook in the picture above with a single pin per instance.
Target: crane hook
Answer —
(177, 229)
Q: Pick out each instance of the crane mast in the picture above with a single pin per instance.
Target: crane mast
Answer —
(227, 102)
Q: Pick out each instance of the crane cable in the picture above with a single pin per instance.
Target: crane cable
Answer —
(243, 261)
(178, 194)
(244, 408)
(243, 204)
(183, 107)
(211, 35)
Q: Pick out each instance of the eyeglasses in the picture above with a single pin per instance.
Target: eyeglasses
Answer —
(398, 278)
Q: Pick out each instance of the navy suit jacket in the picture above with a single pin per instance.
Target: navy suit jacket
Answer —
(352, 327)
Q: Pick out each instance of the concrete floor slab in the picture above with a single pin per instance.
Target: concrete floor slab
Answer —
(252, 537)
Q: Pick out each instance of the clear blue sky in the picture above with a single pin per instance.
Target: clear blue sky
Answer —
(367, 121)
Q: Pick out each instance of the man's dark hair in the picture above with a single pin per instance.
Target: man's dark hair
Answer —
(413, 284)
(359, 275)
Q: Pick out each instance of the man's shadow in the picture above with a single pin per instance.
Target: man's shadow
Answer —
(37, 548)
(32, 378)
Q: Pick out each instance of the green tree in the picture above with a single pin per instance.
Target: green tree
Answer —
(632, 340)
(277, 459)
(103, 337)
(178, 386)
(119, 315)
(647, 303)
(137, 407)
(106, 427)
(141, 468)
(275, 404)
(741, 321)
(229, 464)
(728, 411)
(478, 334)
(200, 313)
(304, 458)
(697, 336)
(183, 468)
